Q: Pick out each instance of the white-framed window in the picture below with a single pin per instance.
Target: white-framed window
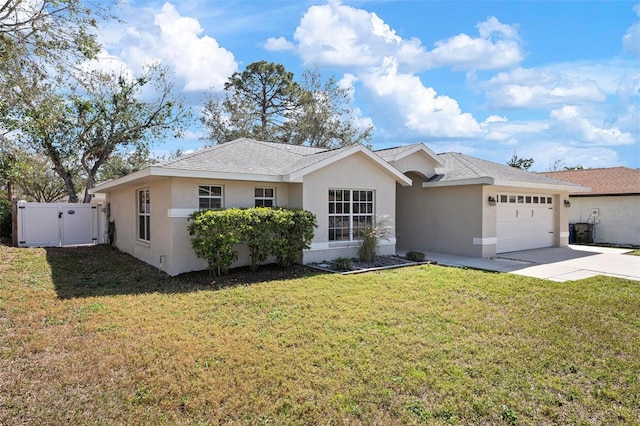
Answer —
(351, 212)
(524, 199)
(144, 215)
(265, 197)
(210, 197)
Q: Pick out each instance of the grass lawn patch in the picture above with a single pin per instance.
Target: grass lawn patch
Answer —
(92, 336)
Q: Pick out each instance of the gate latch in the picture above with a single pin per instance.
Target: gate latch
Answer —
(59, 215)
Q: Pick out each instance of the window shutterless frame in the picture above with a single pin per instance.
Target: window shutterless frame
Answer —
(144, 214)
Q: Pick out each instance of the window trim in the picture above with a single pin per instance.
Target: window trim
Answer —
(146, 214)
(264, 197)
(211, 197)
(352, 225)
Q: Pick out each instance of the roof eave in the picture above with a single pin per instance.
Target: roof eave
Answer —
(459, 182)
(183, 173)
(547, 186)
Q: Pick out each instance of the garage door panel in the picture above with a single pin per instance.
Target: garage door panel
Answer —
(524, 226)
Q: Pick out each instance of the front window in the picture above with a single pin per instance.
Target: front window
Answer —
(265, 197)
(350, 214)
(144, 215)
(210, 197)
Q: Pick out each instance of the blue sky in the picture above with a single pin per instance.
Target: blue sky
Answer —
(555, 81)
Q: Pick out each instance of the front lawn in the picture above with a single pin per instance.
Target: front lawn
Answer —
(92, 336)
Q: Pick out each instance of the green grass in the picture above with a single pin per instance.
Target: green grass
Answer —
(91, 336)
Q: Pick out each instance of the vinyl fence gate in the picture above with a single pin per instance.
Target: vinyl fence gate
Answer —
(58, 224)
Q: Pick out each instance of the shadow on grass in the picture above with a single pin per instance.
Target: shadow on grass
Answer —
(105, 271)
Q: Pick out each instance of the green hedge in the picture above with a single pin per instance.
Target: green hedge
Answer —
(5, 216)
(281, 232)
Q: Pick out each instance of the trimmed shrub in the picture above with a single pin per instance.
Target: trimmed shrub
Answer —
(415, 256)
(215, 233)
(293, 232)
(281, 232)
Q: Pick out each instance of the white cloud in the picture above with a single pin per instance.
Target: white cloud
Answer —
(496, 128)
(174, 40)
(424, 111)
(540, 88)
(571, 122)
(338, 35)
(547, 154)
(497, 47)
(199, 59)
(278, 44)
(631, 39)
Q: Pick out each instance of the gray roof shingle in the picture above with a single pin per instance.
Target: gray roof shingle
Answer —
(246, 156)
(462, 167)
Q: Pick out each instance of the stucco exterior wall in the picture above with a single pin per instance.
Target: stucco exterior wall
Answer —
(416, 163)
(123, 210)
(184, 193)
(354, 172)
(617, 220)
(443, 219)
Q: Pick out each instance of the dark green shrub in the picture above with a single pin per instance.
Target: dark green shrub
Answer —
(293, 232)
(280, 232)
(258, 234)
(415, 256)
(215, 233)
(5, 216)
(343, 263)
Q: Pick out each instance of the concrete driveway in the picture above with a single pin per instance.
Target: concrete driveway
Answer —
(557, 263)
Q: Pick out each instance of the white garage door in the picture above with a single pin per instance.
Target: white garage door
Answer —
(524, 222)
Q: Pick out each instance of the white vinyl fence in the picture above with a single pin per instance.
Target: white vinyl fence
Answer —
(59, 224)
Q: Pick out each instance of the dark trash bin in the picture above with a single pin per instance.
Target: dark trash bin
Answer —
(572, 233)
(583, 233)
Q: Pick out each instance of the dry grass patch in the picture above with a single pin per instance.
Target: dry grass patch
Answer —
(92, 336)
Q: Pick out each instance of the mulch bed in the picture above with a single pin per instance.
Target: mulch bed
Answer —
(380, 262)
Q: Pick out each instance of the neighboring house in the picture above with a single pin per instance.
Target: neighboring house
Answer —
(449, 202)
(345, 188)
(464, 205)
(612, 206)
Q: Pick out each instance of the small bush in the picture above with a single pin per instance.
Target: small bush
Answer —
(5, 216)
(280, 232)
(343, 263)
(415, 256)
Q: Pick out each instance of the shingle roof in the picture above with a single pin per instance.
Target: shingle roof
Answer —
(246, 156)
(388, 153)
(605, 181)
(463, 167)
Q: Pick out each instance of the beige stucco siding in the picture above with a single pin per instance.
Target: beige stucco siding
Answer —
(440, 219)
(353, 172)
(616, 219)
(123, 209)
(418, 163)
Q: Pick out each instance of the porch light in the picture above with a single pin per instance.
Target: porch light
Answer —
(492, 201)
(567, 203)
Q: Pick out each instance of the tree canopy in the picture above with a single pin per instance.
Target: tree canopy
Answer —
(264, 102)
(520, 163)
(78, 128)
